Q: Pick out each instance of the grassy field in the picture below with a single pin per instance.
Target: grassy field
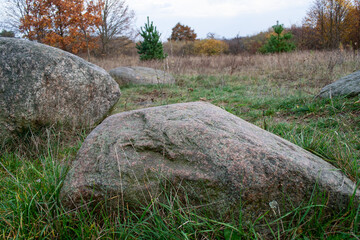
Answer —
(275, 92)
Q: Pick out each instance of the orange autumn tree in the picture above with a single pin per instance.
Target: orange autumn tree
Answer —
(182, 33)
(66, 24)
(87, 21)
(329, 20)
(352, 35)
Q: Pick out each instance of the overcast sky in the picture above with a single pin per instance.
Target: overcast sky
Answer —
(226, 18)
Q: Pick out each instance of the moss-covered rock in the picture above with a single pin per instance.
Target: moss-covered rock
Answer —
(41, 85)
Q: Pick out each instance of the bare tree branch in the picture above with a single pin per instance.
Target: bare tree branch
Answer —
(15, 10)
(117, 23)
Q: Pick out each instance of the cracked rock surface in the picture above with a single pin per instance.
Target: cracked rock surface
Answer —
(218, 159)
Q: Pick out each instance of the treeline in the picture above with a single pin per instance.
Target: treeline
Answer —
(329, 24)
(183, 45)
(104, 27)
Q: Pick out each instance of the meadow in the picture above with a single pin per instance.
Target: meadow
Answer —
(274, 92)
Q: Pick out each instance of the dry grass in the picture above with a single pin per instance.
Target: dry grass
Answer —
(275, 92)
(270, 91)
(313, 69)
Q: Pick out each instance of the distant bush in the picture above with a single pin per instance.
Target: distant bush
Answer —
(210, 47)
(179, 48)
(236, 45)
(5, 33)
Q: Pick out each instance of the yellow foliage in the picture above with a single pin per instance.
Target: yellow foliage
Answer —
(334, 21)
(211, 47)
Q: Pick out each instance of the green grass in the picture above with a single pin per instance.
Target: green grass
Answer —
(328, 128)
(31, 175)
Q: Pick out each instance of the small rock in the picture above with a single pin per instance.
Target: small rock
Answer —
(140, 75)
(347, 86)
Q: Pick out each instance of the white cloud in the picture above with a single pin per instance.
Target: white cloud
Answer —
(210, 8)
(224, 17)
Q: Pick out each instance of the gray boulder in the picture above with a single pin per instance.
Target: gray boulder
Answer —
(140, 75)
(42, 85)
(346, 86)
(219, 160)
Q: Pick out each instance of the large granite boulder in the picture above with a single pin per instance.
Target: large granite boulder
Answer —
(140, 75)
(42, 85)
(347, 86)
(219, 160)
